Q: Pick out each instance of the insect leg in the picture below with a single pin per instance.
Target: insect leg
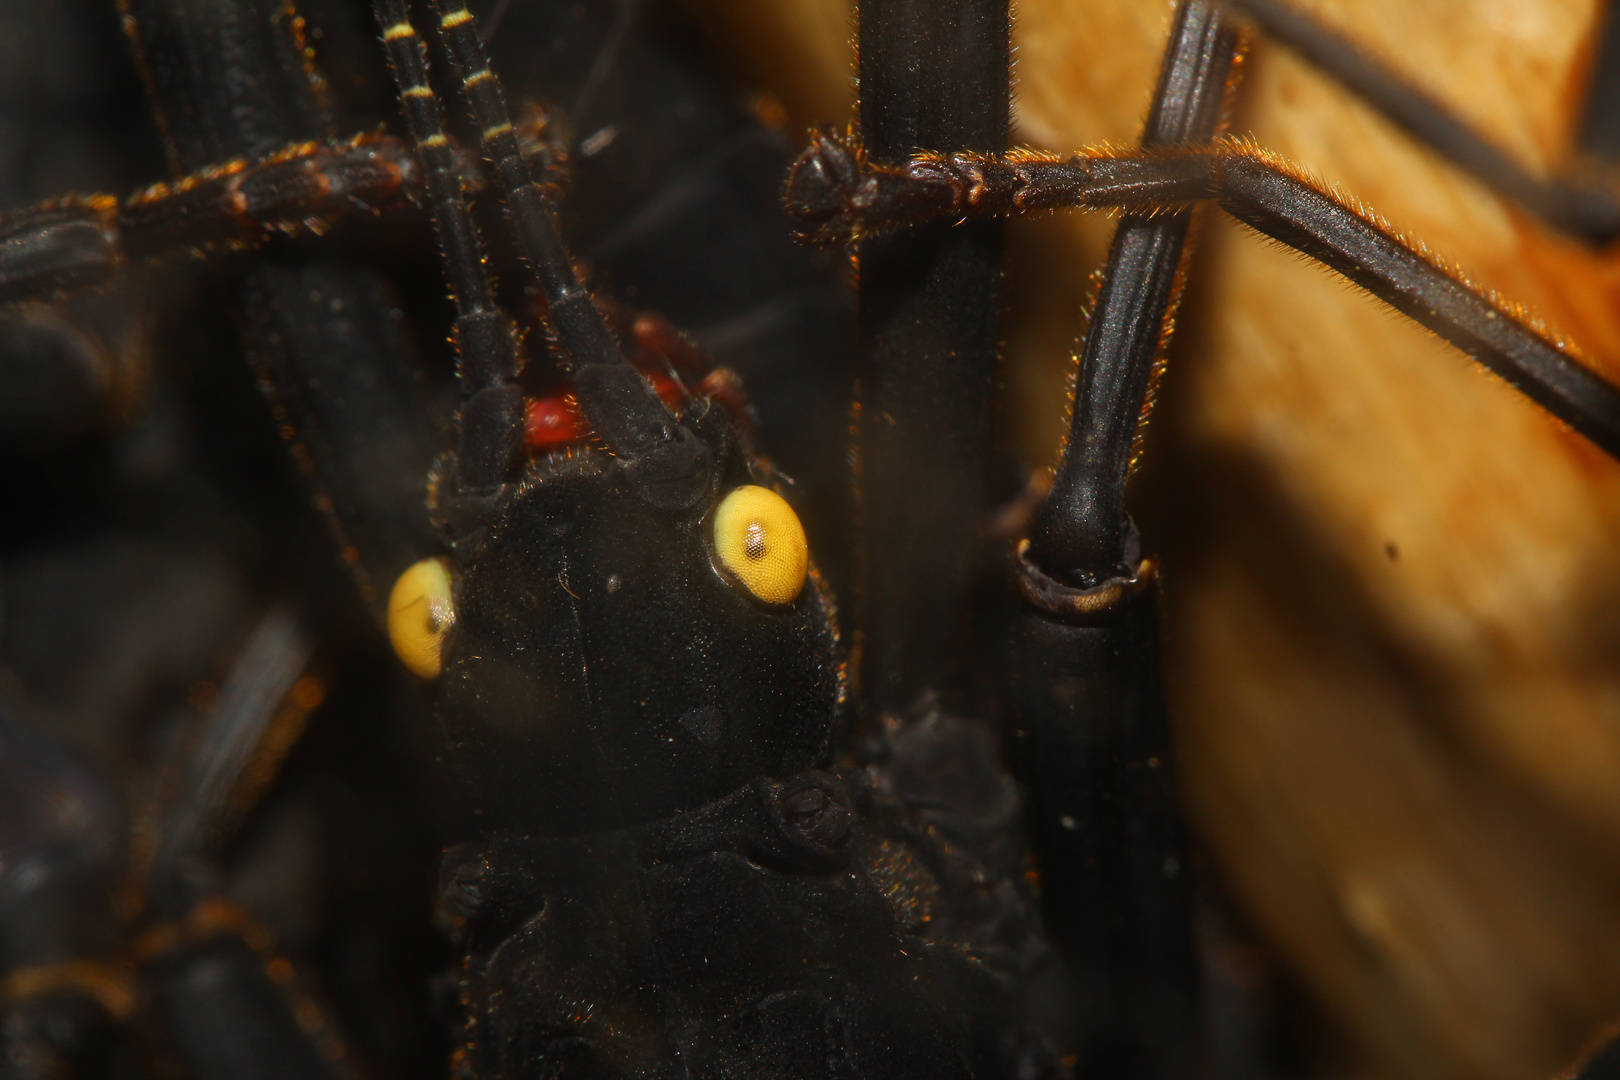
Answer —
(1080, 532)
(1285, 207)
(64, 244)
(1600, 125)
(307, 187)
(1085, 663)
(1261, 193)
(212, 794)
(1583, 207)
(839, 195)
(931, 74)
(84, 240)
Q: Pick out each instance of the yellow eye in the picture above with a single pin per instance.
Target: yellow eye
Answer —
(758, 538)
(420, 612)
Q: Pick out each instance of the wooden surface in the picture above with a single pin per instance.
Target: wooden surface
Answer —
(1392, 587)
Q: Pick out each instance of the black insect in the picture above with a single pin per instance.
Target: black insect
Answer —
(649, 617)
(684, 856)
(661, 876)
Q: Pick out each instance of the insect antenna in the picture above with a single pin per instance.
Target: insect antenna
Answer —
(667, 464)
(490, 434)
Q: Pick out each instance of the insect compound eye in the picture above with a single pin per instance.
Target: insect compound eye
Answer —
(760, 543)
(420, 612)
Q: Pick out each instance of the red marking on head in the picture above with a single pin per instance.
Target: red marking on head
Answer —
(551, 422)
(674, 366)
(555, 421)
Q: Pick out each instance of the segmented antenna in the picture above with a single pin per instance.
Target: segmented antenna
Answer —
(581, 334)
(668, 465)
(491, 419)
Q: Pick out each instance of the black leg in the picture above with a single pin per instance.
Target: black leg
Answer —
(1086, 683)
(932, 74)
(227, 995)
(65, 244)
(1263, 194)
(228, 80)
(1589, 209)
(1586, 205)
(1290, 209)
(839, 195)
(306, 187)
(254, 702)
(1079, 534)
